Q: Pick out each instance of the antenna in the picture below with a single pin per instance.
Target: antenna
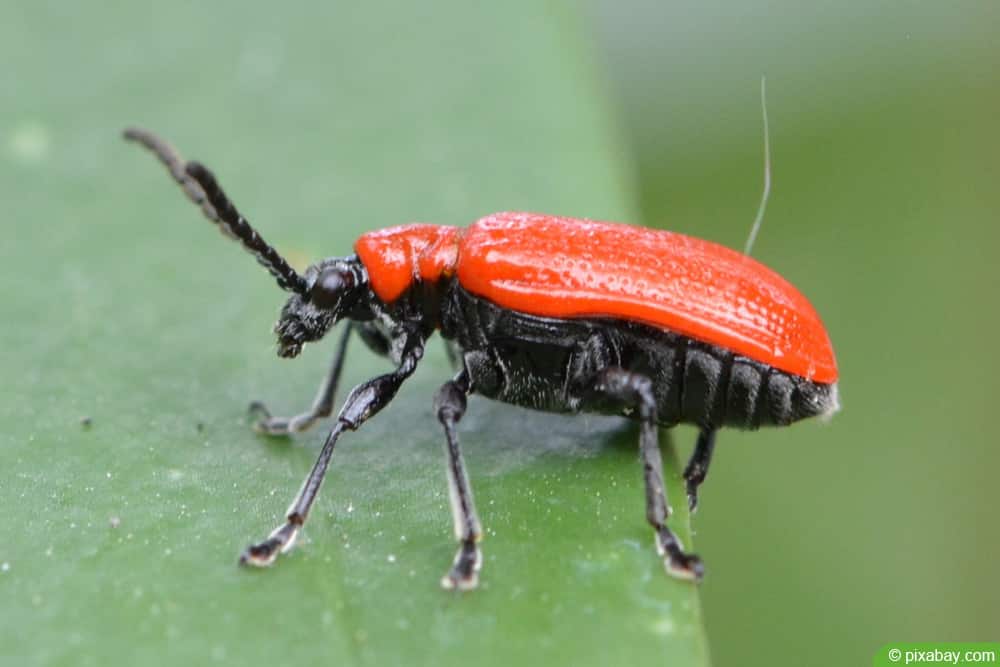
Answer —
(767, 172)
(200, 186)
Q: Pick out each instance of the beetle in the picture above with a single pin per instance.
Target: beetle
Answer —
(550, 313)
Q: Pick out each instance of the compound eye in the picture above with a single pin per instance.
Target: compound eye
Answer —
(329, 287)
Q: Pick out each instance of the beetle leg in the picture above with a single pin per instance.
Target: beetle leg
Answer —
(697, 468)
(322, 405)
(637, 390)
(449, 404)
(364, 401)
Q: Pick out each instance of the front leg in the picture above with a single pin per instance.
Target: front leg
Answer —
(364, 401)
(322, 405)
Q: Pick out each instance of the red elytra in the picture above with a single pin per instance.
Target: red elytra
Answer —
(569, 268)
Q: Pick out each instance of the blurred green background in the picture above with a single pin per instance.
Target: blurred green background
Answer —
(823, 542)
(828, 541)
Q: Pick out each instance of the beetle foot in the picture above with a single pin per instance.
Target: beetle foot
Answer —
(688, 567)
(678, 564)
(264, 553)
(264, 422)
(692, 494)
(464, 573)
(694, 475)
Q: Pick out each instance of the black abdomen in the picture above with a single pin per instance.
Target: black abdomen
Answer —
(549, 364)
(705, 385)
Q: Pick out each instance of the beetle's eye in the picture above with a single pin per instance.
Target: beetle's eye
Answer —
(329, 288)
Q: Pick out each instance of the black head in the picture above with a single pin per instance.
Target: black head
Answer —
(333, 288)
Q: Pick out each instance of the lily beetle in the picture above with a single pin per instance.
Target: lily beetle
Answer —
(550, 313)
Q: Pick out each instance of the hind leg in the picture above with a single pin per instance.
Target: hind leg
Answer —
(697, 468)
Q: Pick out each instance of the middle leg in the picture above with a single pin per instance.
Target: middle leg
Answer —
(450, 405)
(636, 390)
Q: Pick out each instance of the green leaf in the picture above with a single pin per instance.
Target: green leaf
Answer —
(123, 306)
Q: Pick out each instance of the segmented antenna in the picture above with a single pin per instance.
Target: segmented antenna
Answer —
(767, 172)
(201, 187)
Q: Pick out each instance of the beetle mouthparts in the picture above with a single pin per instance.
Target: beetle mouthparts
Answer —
(291, 335)
(289, 350)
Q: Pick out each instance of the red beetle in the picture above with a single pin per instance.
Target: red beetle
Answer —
(550, 313)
